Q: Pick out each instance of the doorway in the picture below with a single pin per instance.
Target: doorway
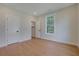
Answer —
(33, 29)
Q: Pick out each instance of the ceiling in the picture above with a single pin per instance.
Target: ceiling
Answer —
(37, 8)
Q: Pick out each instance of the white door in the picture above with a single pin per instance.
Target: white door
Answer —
(12, 25)
(38, 31)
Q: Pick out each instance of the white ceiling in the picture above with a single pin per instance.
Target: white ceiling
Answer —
(37, 8)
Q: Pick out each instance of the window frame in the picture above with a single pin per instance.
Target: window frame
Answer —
(46, 23)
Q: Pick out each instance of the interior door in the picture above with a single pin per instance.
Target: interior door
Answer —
(38, 31)
(13, 32)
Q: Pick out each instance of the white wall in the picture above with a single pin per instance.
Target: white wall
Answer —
(66, 26)
(16, 21)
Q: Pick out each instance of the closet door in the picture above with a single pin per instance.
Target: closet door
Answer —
(13, 32)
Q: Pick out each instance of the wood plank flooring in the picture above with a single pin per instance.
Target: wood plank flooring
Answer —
(39, 47)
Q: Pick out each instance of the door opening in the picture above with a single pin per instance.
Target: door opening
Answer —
(33, 29)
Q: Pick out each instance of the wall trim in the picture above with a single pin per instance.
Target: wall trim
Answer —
(65, 43)
(5, 45)
(18, 42)
(61, 42)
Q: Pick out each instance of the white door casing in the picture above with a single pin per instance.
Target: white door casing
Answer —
(38, 31)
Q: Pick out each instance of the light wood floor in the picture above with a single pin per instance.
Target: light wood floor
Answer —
(39, 47)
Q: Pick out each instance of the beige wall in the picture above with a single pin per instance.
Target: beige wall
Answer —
(65, 26)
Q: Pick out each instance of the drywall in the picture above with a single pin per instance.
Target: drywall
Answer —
(65, 26)
(10, 22)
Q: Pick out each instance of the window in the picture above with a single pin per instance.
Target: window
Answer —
(49, 24)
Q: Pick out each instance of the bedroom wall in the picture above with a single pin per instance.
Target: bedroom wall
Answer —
(20, 22)
(65, 26)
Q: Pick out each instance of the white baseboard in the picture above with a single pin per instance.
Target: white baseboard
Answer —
(26, 39)
(4, 45)
(69, 43)
(29, 38)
